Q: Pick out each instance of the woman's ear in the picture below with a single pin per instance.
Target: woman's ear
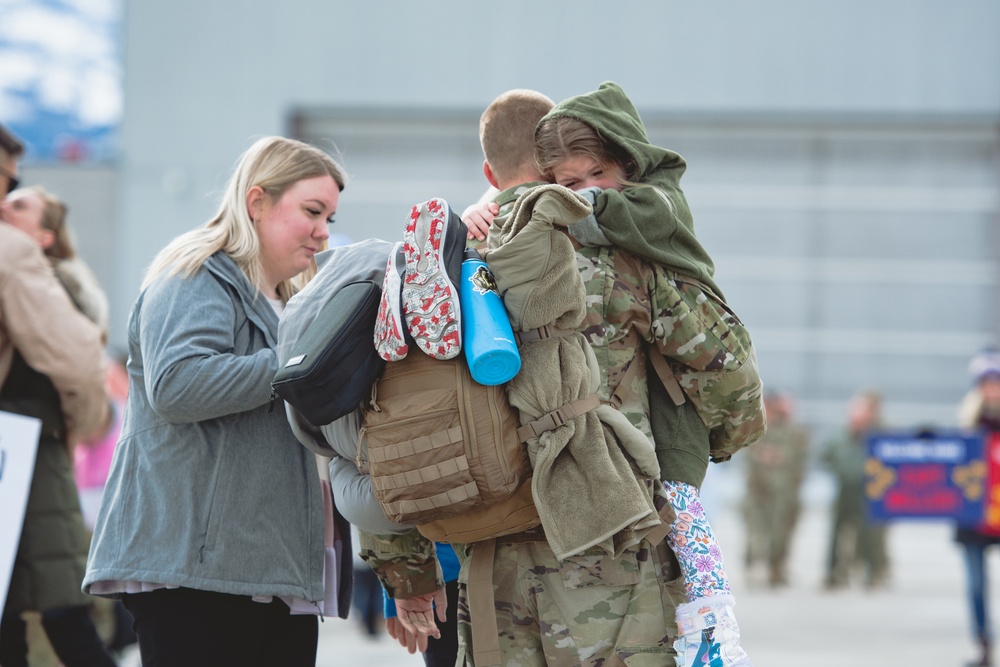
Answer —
(255, 201)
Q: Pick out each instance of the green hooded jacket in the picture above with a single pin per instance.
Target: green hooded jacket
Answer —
(637, 218)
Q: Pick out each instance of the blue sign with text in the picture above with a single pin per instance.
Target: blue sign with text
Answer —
(926, 475)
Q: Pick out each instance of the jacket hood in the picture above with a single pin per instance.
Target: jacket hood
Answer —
(609, 110)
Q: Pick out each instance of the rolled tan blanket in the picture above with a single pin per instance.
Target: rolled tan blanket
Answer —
(585, 488)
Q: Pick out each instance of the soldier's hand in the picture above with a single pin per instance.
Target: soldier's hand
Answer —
(417, 615)
(395, 628)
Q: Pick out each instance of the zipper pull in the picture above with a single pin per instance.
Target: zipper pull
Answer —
(270, 405)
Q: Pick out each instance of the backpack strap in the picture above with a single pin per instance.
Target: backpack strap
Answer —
(663, 371)
(558, 417)
(482, 604)
(541, 333)
(482, 609)
(667, 377)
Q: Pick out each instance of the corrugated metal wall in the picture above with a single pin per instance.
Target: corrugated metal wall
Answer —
(862, 251)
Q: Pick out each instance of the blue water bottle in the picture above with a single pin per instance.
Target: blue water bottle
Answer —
(487, 337)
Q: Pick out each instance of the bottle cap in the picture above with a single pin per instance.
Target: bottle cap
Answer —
(472, 253)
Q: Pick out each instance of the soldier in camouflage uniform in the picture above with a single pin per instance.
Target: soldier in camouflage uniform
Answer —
(630, 300)
(589, 609)
(855, 539)
(775, 468)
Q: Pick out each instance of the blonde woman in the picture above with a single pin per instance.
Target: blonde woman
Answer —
(212, 525)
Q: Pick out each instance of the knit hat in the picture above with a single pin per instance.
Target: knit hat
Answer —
(985, 364)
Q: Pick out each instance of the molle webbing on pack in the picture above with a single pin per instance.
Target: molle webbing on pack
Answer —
(443, 451)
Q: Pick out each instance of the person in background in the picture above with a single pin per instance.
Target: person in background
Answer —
(980, 410)
(92, 457)
(42, 216)
(51, 368)
(775, 468)
(91, 463)
(441, 651)
(854, 537)
(213, 524)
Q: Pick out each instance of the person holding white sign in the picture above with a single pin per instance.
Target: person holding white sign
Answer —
(52, 369)
(213, 520)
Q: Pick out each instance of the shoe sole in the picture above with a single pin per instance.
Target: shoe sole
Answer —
(390, 341)
(430, 300)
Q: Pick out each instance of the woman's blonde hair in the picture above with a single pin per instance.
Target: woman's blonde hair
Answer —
(54, 220)
(274, 164)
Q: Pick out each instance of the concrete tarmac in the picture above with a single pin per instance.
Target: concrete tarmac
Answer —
(921, 618)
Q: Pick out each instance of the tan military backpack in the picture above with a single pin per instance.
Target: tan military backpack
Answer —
(444, 454)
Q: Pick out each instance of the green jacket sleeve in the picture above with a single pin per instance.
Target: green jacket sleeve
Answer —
(652, 221)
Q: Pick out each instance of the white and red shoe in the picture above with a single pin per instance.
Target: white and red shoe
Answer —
(390, 340)
(430, 299)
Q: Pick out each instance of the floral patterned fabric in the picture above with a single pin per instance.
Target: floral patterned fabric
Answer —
(694, 543)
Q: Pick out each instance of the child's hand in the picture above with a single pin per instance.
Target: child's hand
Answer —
(478, 219)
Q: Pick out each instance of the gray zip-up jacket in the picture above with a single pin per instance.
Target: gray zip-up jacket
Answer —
(209, 489)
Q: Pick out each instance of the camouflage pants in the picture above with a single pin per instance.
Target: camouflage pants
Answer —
(589, 610)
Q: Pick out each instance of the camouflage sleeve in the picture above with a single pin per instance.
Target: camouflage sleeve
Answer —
(712, 356)
(694, 327)
(406, 564)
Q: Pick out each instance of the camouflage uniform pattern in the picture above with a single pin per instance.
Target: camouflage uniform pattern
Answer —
(713, 359)
(629, 300)
(588, 610)
(775, 469)
(706, 345)
(406, 564)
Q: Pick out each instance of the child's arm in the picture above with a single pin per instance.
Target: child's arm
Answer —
(478, 218)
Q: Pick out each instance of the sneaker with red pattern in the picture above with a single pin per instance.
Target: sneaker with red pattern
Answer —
(430, 300)
(390, 339)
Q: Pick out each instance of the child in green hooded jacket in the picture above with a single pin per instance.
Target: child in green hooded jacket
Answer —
(596, 144)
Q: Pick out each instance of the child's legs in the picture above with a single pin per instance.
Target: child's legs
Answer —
(694, 543)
